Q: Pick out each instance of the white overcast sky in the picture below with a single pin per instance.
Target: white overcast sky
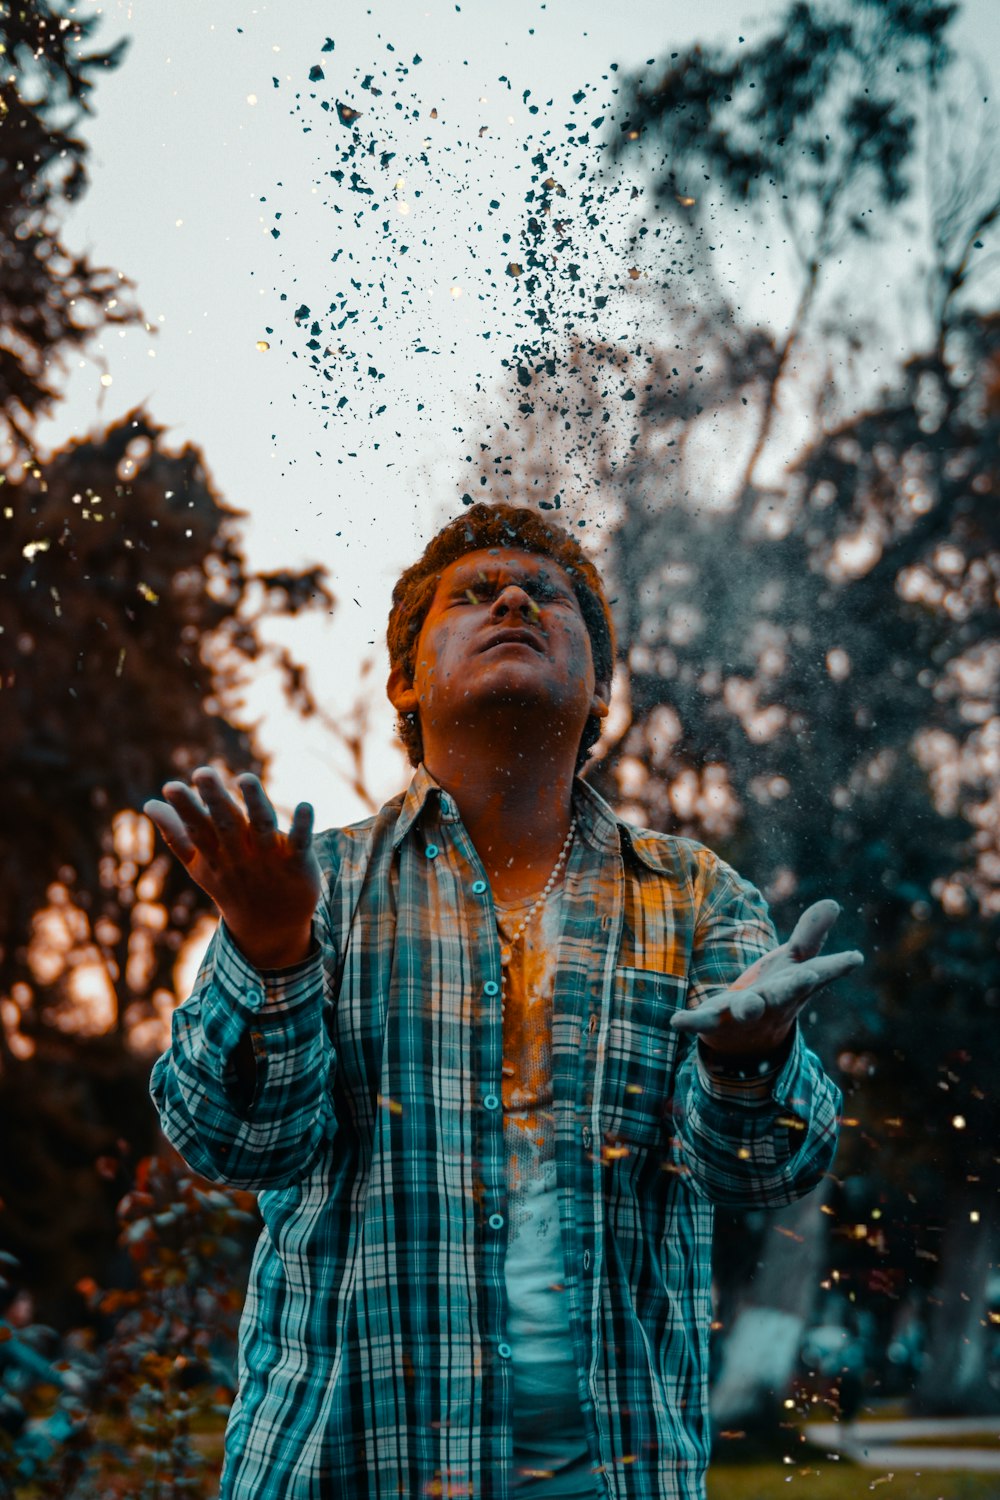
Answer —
(191, 134)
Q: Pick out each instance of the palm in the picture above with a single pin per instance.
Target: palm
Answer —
(756, 1013)
(265, 882)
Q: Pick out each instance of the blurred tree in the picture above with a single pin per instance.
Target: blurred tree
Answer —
(809, 669)
(51, 300)
(811, 133)
(919, 479)
(128, 621)
(806, 709)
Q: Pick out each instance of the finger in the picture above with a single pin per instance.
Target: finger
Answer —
(711, 1014)
(263, 818)
(834, 966)
(703, 1020)
(192, 812)
(810, 931)
(172, 830)
(300, 832)
(747, 1007)
(224, 809)
(805, 979)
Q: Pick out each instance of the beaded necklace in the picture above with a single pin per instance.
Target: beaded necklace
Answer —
(507, 949)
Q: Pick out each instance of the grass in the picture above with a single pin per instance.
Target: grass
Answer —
(826, 1482)
(842, 1481)
(812, 1476)
(988, 1438)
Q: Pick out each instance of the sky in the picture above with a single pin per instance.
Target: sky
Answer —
(210, 162)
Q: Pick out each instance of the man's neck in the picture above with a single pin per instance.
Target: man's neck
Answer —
(517, 822)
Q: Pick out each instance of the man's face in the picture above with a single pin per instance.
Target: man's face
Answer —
(469, 663)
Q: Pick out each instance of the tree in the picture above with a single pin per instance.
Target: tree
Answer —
(808, 667)
(812, 131)
(924, 471)
(128, 622)
(857, 685)
(128, 625)
(51, 300)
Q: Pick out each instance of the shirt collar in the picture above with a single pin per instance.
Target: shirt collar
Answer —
(422, 787)
(597, 821)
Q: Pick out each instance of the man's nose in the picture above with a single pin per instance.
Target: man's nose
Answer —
(514, 599)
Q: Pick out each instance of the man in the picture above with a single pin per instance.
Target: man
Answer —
(490, 1057)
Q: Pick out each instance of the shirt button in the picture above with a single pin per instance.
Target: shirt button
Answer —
(496, 1221)
(586, 1260)
(479, 886)
(432, 851)
(254, 997)
(586, 1135)
(490, 1101)
(491, 987)
(504, 1351)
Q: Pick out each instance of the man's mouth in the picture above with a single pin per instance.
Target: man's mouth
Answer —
(512, 638)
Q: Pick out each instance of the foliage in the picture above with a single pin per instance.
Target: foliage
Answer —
(813, 665)
(129, 620)
(815, 139)
(812, 119)
(809, 663)
(126, 632)
(125, 1409)
(126, 635)
(51, 300)
(824, 711)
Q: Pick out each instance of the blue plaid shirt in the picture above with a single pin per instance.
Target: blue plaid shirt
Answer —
(373, 1351)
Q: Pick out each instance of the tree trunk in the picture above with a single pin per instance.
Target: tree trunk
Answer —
(953, 1379)
(761, 1349)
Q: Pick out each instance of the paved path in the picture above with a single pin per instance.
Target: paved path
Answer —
(885, 1445)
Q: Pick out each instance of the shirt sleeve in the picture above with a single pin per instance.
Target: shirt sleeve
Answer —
(268, 1138)
(749, 1138)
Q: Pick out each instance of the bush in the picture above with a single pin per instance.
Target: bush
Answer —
(133, 1406)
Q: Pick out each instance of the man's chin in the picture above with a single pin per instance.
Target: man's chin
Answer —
(518, 710)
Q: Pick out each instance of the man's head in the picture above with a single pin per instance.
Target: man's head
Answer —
(501, 530)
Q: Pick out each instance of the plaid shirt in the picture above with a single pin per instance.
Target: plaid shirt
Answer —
(373, 1353)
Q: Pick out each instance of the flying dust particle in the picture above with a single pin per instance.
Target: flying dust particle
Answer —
(545, 221)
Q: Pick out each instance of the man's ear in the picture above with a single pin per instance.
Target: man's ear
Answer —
(401, 692)
(601, 701)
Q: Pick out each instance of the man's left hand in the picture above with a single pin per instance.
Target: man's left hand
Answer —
(753, 1017)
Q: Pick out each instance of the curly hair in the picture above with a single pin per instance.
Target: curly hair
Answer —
(497, 525)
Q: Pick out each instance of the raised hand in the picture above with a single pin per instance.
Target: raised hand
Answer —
(265, 883)
(754, 1016)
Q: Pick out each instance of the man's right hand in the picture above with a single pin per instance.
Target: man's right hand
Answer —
(264, 882)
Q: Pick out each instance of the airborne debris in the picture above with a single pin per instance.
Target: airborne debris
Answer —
(543, 222)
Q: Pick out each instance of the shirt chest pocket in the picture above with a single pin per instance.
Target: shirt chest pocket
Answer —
(641, 1057)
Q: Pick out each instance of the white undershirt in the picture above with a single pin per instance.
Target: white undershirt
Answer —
(551, 1458)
